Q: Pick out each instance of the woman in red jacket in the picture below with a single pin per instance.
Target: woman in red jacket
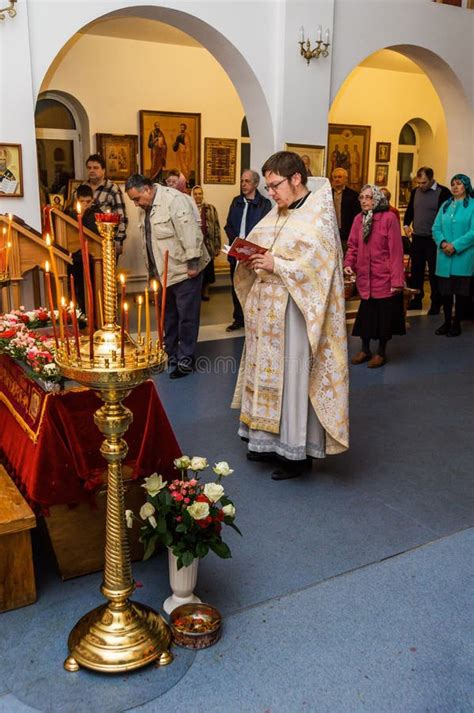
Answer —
(375, 255)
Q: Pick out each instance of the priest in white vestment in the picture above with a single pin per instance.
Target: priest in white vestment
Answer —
(292, 389)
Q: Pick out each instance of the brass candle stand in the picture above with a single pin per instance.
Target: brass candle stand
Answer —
(120, 635)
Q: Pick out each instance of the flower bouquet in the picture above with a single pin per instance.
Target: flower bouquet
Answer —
(185, 514)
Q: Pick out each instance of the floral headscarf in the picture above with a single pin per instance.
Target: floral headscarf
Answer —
(466, 181)
(380, 204)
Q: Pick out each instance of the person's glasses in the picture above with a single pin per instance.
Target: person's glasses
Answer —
(274, 186)
(365, 197)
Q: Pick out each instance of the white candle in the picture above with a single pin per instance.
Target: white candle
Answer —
(319, 33)
(301, 33)
(327, 37)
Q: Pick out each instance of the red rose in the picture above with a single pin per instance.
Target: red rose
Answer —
(220, 516)
(202, 499)
(43, 316)
(7, 334)
(24, 318)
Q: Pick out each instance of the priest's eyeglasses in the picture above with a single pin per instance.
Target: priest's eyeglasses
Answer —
(274, 186)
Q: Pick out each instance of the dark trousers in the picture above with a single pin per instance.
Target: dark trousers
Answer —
(238, 314)
(423, 250)
(183, 306)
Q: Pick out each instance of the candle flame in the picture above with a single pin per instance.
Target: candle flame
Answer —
(155, 286)
(71, 305)
(48, 240)
(9, 245)
(140, 300)
(125, 306)
(122, 278)
(63, 301)
(10, 217)
(78, 208)
(46, 266)
(4, 231)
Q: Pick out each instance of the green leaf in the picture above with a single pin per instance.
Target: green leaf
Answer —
(181, 527)
(221, 549)
(150, 547)
(233, 526)
(160, 525)
(187, 558)
(167, 539)
(202, 549)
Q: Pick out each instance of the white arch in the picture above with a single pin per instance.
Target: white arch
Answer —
(229, 57)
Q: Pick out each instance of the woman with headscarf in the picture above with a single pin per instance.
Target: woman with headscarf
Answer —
(375, 256)
(211, 231)
(453, 233)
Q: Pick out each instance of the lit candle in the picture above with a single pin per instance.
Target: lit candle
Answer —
(122, 334)
(72, 307)
(327, 37)
(123, 288)
(164, 284)
(301, 33)
(7, 253)
(49, 292)
(147, 321)
(127, 315)
(101, 309)
(140, 302)
(56, 281)
(10, 218)
(3, 250)
(157, 310)
(319, 33)
(64, 314)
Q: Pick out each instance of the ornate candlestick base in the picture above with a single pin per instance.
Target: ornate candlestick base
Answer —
(120, 635)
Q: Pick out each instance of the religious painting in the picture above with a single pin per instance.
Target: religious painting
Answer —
(56, 200)
(72, 187)
(220, 157)
(348, 148)
(120, 153)
(170, 140)
(382, 151)
(11, 171)
(381, 174)
(313, 157)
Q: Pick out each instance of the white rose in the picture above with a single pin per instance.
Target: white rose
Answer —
(153, 484)
(152, 521)
(222, 468)
(213, 491)
(182, 463)
(129, 518)
(229, 510)
(198, 511)
(146, 510)
(198, 463)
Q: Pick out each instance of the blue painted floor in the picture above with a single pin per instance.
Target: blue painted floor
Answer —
(349, 591)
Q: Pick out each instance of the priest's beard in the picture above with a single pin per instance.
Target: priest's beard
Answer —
(283, 210)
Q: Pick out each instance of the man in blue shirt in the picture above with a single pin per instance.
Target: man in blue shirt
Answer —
(246, 210)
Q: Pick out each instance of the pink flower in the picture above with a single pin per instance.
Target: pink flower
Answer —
(187, 500)
(178, 518)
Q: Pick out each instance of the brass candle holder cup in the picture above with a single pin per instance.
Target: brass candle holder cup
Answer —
(120, 635)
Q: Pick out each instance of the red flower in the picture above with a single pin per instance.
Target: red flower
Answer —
(202, 499)
(218, 527)
(7, 334)
(24, 318)
(43, 315)
(220, 516)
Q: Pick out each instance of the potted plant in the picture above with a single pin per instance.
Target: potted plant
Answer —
(186, 516)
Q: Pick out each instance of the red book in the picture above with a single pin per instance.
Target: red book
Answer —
(245, 249)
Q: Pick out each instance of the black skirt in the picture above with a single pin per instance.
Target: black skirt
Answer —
(380, 318)
(454, 285)
(208, 274)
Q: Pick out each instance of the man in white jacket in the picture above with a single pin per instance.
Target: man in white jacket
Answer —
(168, 223)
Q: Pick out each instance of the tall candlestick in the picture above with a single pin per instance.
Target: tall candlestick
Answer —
(164, 284)
(123, 288)
(73, 290)
(7, 255)
(10, 218)
(122, 333)
(72, 307)
(49, 292)
(147, 321)
(3, 249)
(157, 309)
(87, 279)
(139, 329)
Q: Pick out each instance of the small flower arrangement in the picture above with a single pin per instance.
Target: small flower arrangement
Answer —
(25, 345)
(185, 514)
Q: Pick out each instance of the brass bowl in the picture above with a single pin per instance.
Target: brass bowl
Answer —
(195, 626)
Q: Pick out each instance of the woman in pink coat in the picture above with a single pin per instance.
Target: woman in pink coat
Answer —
(375, 255)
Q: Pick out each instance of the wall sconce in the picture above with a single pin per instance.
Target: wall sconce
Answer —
(10, 10)
(321, 48)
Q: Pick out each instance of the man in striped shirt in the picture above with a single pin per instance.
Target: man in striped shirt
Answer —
(107, 195)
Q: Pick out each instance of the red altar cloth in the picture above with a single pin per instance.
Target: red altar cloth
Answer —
(64, 465)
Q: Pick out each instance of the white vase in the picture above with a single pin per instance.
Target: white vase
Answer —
(182, 583)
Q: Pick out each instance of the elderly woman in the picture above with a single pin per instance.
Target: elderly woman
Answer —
(211, 231)
(375, 256)
(453, 233)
